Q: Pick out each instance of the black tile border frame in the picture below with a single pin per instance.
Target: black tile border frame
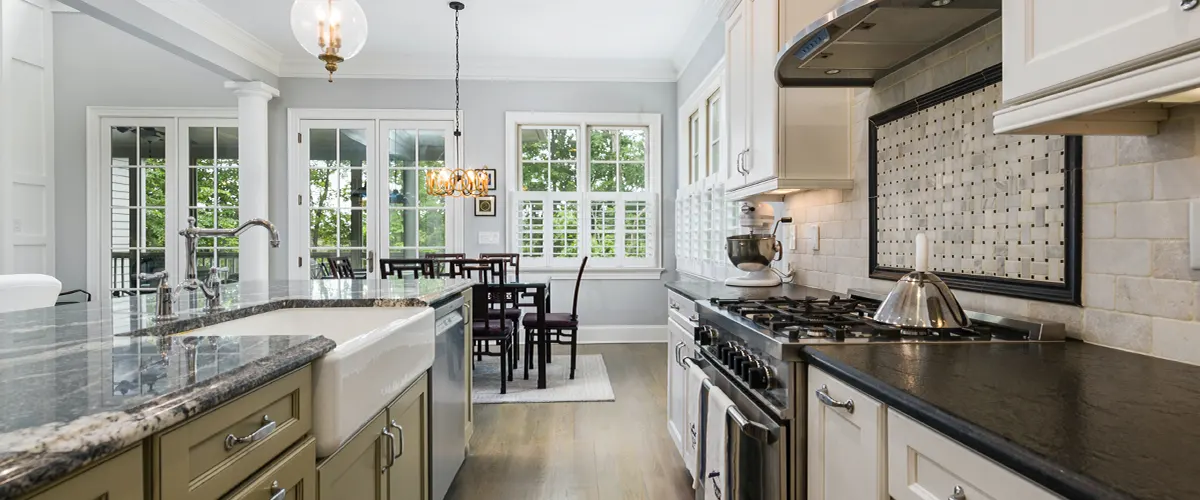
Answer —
(1067, 292)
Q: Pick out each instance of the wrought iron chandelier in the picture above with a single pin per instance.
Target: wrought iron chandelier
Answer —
(457, 181)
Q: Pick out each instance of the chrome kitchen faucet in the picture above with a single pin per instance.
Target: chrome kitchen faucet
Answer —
(210, 287)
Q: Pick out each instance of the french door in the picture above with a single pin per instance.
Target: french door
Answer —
(154, 173)
(362, 194)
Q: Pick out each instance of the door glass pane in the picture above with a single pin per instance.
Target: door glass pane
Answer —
(137, 207)
(338, 196)
(413, 153)
(213, 196)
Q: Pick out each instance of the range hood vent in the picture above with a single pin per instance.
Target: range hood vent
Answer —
(862, 41)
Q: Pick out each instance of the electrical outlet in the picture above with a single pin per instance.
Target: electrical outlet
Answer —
(812, 233)
(789, 236)
(489, 238)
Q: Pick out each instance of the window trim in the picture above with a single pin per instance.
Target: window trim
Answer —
(584, 122)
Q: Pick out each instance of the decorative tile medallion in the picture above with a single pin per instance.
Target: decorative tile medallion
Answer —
(993, 206)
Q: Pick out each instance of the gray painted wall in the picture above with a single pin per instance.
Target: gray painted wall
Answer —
(710, 51)
(484, 104)
(98, 65)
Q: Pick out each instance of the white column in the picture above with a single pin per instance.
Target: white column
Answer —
(253, 246)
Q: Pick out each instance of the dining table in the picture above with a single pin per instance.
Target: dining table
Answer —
(537, 289)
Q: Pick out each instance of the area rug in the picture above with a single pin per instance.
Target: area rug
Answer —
(590, 384)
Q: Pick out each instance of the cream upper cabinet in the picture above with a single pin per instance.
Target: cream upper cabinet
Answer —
(1097, 67)
(846, 441)
(795, 139)
(737, 93)
(1052, 43)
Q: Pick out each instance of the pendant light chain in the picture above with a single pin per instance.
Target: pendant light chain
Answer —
(454, 180)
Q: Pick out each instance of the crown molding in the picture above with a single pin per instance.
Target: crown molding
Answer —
(56, 6)
(198, 18)
(409, 67)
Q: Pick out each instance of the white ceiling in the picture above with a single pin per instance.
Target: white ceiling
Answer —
(633, 33)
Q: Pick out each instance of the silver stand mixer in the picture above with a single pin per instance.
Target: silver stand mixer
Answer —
(754, 252)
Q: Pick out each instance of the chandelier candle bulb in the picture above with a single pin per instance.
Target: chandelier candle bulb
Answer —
(340, 26)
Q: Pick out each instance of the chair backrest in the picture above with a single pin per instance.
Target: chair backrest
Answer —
(513, 259)
(396, 268)
(489, 294)
(19, 292)
(340, 267)
(439, 261)
(578, 279)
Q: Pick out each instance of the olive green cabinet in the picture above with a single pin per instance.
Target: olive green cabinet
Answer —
(407, 416)
(97, 482)
(388, 459)
(359, 469)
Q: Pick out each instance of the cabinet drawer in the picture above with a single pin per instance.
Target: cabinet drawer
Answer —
(201, 459)
(294, 475)
(924, 464)
(98, 482)
(846, 438)
(678, 303)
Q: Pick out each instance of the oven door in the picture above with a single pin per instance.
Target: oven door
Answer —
(758, 455)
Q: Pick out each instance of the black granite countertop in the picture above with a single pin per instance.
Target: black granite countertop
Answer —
(84, 381)
(1082, 420)
(704, 290)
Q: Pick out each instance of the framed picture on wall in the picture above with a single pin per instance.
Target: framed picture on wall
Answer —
(485, 206)
(491, 172)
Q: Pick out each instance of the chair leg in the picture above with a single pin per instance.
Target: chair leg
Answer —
(512, 365)
(574, 348)
(503, 366)
(528, 352)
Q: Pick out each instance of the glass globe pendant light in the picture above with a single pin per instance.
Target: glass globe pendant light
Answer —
(331, 30)
(457, 181)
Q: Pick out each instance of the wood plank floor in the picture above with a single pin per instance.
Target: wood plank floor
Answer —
(601, 451)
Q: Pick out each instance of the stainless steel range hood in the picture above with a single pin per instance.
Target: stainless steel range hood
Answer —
(861, 41)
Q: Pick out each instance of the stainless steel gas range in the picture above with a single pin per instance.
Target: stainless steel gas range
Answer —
(752, 349)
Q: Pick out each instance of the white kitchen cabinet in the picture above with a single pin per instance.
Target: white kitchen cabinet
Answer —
(923, 464)
(681, 322)
(737, 93)
(846, 440)
(1090, 66)
(795, 139)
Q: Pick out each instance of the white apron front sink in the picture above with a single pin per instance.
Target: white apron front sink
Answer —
(380, 351)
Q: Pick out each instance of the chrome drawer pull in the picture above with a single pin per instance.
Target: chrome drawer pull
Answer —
(824, 397)
(391, 448)
(277, 493)
(267, 428)
(1188, 4)
(678, 357)
(675, 307)
(958, 494)
(400, 437)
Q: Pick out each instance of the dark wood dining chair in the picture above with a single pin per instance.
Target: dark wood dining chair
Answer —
(513, 259)
(340, 268)
(561, 328)
(396, 268)
(489, 292)
(439, 260)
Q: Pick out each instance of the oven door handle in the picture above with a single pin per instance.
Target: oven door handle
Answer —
(744, 427)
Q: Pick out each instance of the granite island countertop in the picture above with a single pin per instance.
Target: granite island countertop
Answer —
(84, 381)
(1084, 421)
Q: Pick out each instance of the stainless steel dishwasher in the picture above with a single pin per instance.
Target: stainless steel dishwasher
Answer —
(448, 445)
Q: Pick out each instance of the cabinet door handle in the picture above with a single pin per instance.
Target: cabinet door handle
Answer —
(673, 306)
(265, 430)
(277, 493)
(399, 437)
(824, 397)
(391, 449)
(1187, 5)
(679, 357)
(958, 494)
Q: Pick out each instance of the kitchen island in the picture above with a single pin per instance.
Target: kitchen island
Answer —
(85, 381)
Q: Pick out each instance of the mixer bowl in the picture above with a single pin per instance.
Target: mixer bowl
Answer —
(751, 252)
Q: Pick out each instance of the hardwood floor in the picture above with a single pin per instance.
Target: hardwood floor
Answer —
(601, 451)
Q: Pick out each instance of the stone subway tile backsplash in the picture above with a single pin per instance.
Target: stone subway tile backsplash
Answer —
(1139, 292)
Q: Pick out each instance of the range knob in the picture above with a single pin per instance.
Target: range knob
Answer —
(724, 352)
(741, 363)
(705, 335)
(759, 376)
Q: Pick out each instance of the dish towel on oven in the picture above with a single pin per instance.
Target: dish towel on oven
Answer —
(716, 444)
(693, 400)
